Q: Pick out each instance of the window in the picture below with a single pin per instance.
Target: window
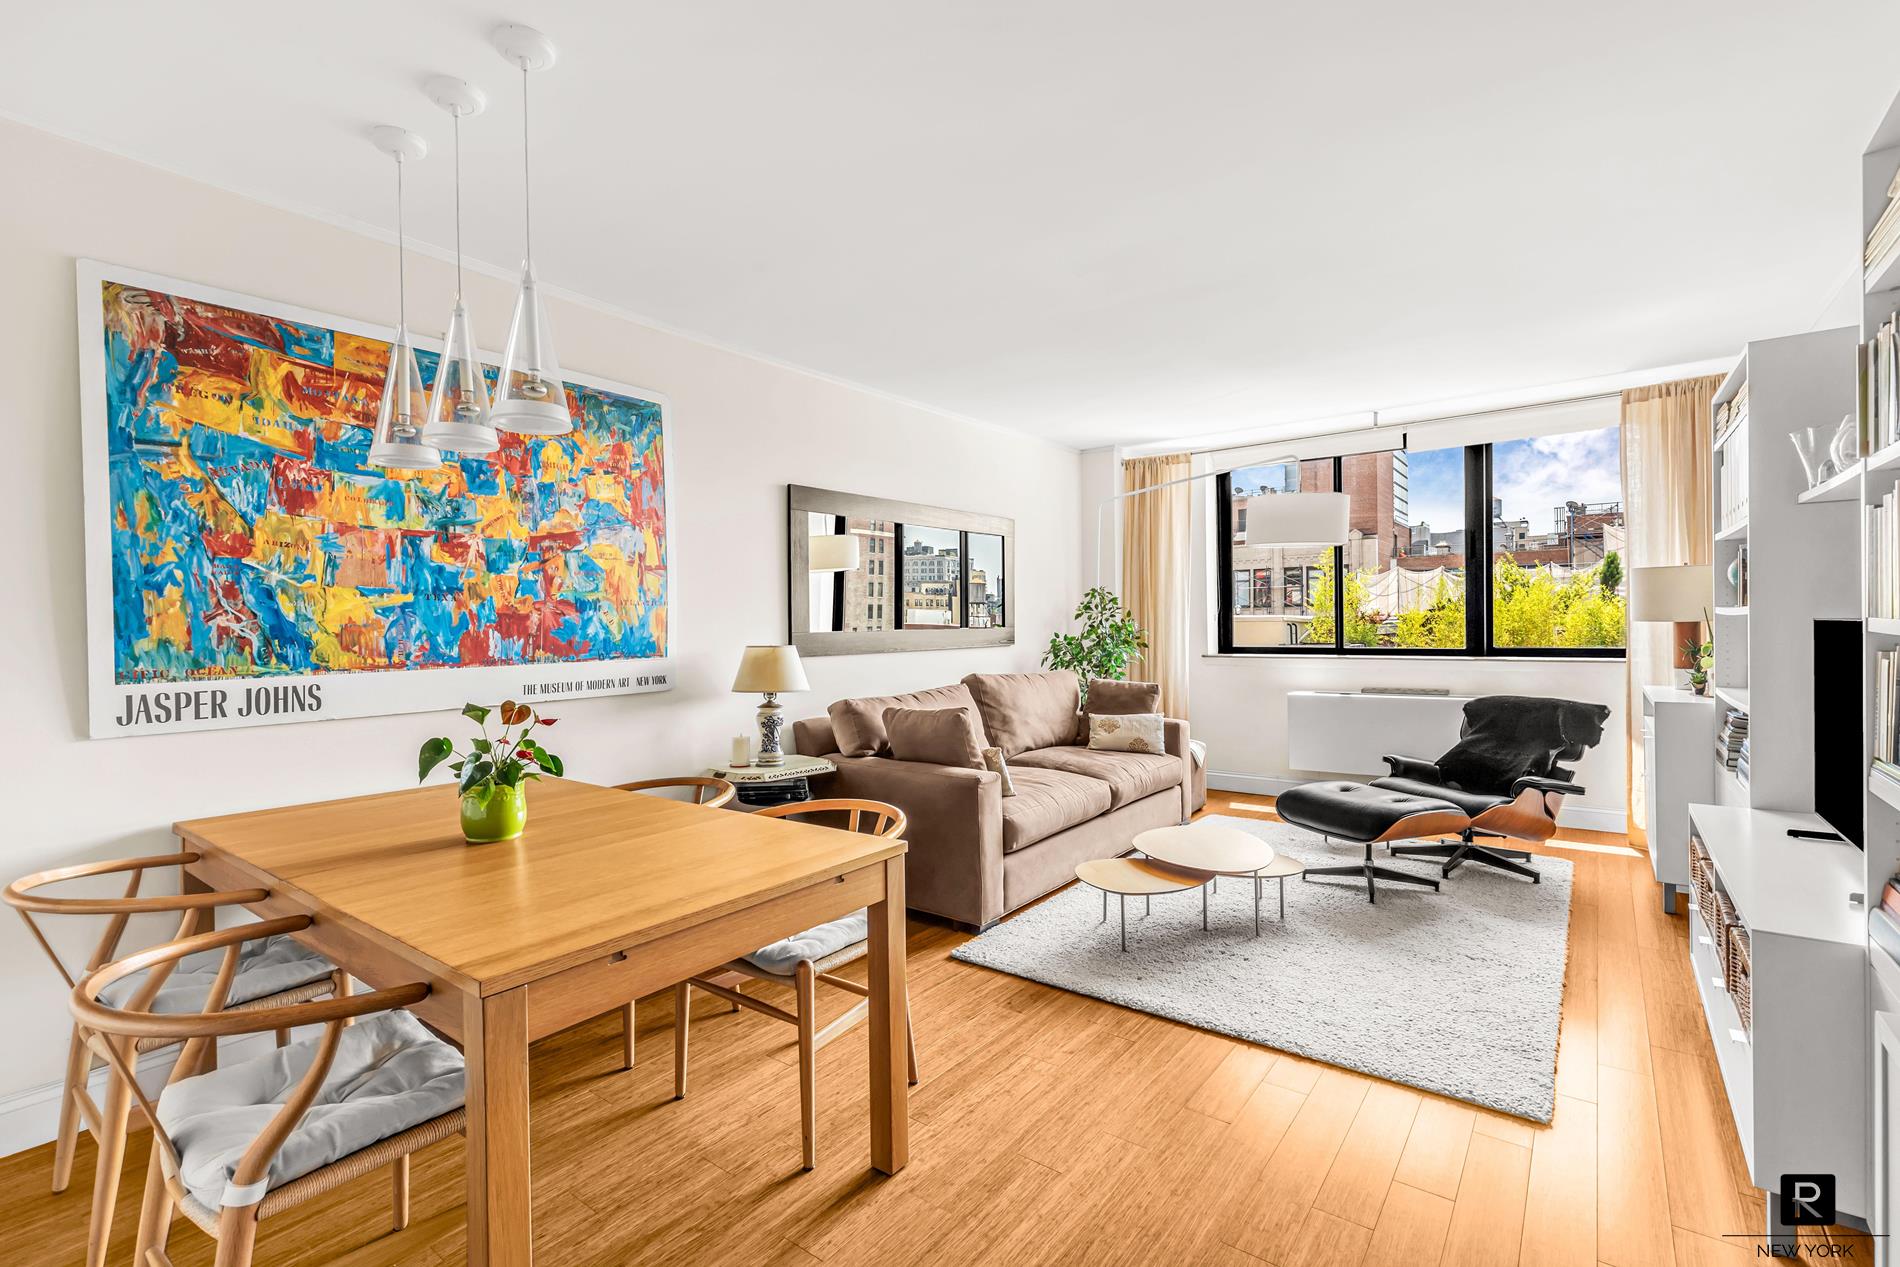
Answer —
(1533, 526)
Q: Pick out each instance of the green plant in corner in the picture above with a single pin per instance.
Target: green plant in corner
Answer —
(493, 774)
(1109, 640)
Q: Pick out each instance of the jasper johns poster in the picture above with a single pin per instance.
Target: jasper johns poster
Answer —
(248, 565)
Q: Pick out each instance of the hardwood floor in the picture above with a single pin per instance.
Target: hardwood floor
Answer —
(1054, 1128)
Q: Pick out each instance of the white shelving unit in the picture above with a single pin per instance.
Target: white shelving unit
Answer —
(1678, 732)
(1800, 1102)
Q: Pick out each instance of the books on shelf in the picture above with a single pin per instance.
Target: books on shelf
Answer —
(1741, 763)
(1732, 739)
(1880, 387)
(1731, 481)
(1885, 235)
(1886, 700)
(1731, 413)
(1883, 558)
(1883, 925)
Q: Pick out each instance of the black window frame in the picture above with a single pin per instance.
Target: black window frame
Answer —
(1479, 633)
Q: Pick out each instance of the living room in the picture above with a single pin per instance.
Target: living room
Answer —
(1269, 637)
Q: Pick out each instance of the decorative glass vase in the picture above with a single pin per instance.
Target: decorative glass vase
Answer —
(494, 812)
(1846, 447)
(1813, 445)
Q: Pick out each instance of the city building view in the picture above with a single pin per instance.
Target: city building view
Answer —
(927, 572)
(1557, 573)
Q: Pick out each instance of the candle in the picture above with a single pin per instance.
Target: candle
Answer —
(741, 750)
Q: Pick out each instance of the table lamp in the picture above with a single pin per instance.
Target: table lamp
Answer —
(1678, 595)
(770, 670)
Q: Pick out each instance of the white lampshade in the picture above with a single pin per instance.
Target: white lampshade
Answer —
(1669, 594)
(838, 553)
(770, 669)
(1299, 519)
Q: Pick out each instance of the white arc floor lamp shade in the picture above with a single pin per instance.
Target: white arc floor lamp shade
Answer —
(1299, 519)
(458, 407)
(530, 397)
(398, 443)
(837, 553)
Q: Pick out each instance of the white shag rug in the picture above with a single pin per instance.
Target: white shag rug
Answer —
(1456, 992)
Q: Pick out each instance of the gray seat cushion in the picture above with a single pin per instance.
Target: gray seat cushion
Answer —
(783, 956)
(1129, 775)
(267, 966)
(1049, 801)
(390, 1074)
(1472, 803)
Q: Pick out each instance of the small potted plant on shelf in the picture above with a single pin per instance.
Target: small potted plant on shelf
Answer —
(1701, 657)
(494, 774)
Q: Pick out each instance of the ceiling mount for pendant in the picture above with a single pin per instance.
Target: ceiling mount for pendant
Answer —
(399, 143)
(524, 46)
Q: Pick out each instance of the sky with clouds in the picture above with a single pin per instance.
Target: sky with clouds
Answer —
(1533, 477)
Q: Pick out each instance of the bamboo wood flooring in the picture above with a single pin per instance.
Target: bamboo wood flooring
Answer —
(1052, 1128)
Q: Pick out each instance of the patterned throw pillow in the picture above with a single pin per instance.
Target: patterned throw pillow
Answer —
(993, 759)
(1127, 732)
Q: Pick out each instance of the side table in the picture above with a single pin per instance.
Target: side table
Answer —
(761, 785)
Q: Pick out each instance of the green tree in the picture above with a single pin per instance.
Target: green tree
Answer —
(1440, 623)
(1361, 630)
(1610, 573)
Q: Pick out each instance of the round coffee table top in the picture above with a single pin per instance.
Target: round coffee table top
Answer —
(1206, 847)
(1134, 877)
(1281, 866)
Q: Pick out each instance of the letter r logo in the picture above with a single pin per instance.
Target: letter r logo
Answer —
(1805, 1200)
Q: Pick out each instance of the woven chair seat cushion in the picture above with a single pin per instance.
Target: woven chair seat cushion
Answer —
(390, 1074)
(782, 957)
(267, 966)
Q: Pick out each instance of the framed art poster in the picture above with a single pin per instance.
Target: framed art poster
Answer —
(246, 564)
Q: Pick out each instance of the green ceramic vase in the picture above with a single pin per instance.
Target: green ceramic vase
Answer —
(494, 813)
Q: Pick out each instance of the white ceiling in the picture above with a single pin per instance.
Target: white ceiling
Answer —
(1096, 220)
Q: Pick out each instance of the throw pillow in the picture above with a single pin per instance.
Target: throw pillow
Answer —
(858, 724)
(1112, 696)
(1127, 732)
(935, 736)
(993, 758)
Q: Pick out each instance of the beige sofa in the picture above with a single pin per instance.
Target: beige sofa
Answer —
(976, 855)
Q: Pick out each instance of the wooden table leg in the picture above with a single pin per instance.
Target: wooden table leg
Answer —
(890, 1084)
(495, 1043)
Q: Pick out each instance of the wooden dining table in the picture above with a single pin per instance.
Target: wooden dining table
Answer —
(607, 896)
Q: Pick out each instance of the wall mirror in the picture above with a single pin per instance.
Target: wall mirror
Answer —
(869, 574)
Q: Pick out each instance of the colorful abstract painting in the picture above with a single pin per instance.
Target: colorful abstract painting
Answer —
(251, 541)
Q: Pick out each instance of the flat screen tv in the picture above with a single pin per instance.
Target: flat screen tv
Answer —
(1840, 769)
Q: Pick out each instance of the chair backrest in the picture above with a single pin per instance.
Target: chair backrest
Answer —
(706, 790)
(875, 817)
(202, 1029)
(23, 895)
(1506, 736)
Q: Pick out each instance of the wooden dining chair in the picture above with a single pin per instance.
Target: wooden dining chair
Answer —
(802, 961)
(237, 1144)
(273, 973)
(706, 790)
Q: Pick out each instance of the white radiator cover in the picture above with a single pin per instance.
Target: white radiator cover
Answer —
(1344, 732)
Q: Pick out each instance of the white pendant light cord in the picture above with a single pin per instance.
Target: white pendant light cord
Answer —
(527, 185)
(457, 116)
(402, 257)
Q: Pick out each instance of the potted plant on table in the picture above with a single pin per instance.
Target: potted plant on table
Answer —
(1701, 657)
(494, 774)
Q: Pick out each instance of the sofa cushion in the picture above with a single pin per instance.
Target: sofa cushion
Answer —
(939, 736)
(1026, 710)
(1111, 697)
(1128, 732)
(1048, 801)
(1129, 775)
(858, 724)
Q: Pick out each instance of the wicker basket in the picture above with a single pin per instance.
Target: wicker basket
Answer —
(1701, 876)
(1725, 920)
(1736, 974)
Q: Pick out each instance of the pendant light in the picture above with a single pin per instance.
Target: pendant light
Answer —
(530, 398)
(458, 405)
(398, 444)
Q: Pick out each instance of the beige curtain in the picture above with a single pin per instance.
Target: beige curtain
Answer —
(1666, 491)
(1154, 572)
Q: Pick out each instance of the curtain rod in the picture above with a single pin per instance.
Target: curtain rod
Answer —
(1412, 422)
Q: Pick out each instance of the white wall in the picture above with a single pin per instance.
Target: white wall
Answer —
(741, 430)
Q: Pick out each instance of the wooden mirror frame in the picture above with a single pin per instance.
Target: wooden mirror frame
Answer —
(802, 501)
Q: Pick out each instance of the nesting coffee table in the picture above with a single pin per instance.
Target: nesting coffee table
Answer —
(1182, 858)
